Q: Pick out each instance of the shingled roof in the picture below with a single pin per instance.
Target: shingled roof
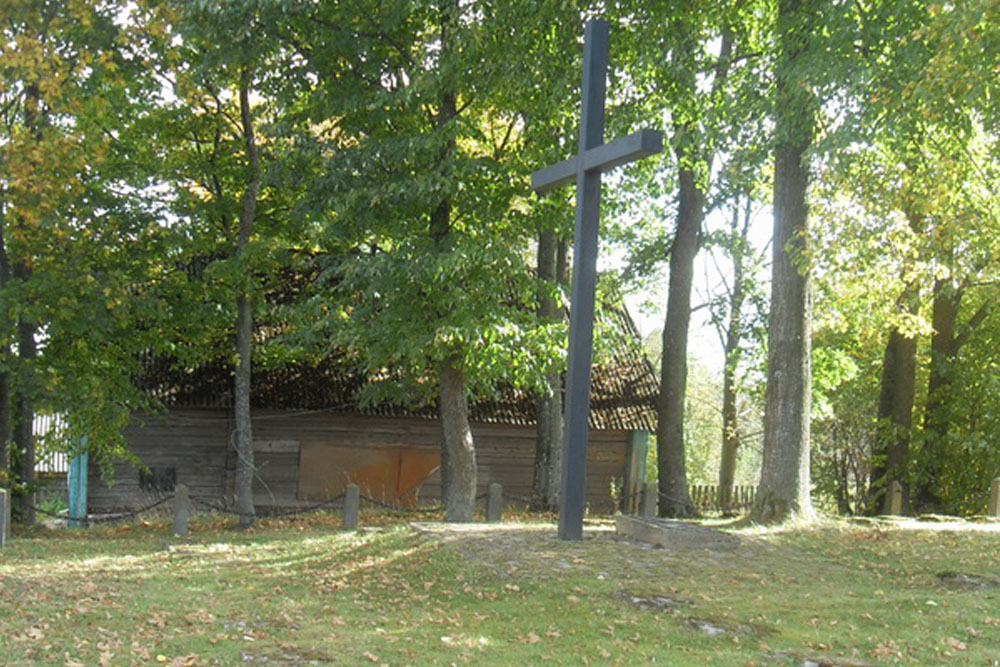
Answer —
(623, 389)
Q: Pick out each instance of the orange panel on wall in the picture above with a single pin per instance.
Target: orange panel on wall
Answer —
(389, 474)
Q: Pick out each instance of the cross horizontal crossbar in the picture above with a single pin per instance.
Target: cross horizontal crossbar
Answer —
(602, 158)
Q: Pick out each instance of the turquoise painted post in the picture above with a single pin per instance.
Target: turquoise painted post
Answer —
(635, 470)
(4, 517)
(76, 478)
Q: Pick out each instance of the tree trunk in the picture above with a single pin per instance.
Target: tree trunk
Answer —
(670, 446)
(672, 474)
(5, 398)
(784, 480)
(895, 410)
(946, 342)
(5, 418)
(23, 394)
(730, 397)
(24, 410)
(460, 451)
(563, 269)
(245, 468)
(947, 300)
(458, 455)
(548, 405)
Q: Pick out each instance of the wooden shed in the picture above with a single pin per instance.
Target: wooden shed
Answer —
(311, 438)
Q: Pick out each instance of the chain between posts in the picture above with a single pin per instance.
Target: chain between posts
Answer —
(401, 509)
(110, 518)
(215, 506)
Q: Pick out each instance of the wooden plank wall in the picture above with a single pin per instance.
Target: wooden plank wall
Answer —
(506, 455)
(196, 443)
(191, 441)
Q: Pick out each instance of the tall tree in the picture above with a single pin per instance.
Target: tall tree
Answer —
(785, 481)
(245, 469)
(549, 402)
(59, 80)
(734, 325)
(549, 123)
(694, 166)
(681, 50)
(913, 163)
(230, 81)
(424, 206)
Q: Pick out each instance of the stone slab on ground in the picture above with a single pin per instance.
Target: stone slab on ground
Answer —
(674, 534)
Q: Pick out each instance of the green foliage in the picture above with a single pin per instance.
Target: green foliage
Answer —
(406, 222)
(73, 79)
(702, 424)
(910, 215)
(424, 214)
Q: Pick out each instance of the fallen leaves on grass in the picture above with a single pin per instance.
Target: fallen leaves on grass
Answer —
(886, 649)
(956, 644)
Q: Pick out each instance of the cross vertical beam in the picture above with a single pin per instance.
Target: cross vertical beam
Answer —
(581, 321)
(594, 157)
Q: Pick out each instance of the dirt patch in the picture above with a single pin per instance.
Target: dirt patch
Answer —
(288, 655)
(958, 580)
(677, 535)
(533, 550)
(812, 661)
(655, 602)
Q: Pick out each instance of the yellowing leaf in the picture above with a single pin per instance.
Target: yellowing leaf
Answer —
(955, 643)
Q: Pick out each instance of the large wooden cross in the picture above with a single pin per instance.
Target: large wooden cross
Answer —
(585, 168)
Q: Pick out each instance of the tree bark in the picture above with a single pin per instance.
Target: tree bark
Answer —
(458, 455)
(895, 410)
(730, 397)
(245, 468)
(944, 314)
(672, 473)
(460, 459)
(23, 395)
(549, 403)
(946, 342)
(672, 483)
(5, 398)
(784, 481)
(563, 270)
(24, 409)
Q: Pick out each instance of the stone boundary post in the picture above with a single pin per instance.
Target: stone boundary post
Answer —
(993, 509)
(182, 507)
(648, 507)
(494, 502)
(352, 507)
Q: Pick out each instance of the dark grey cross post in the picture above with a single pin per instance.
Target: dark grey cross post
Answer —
(585, 168)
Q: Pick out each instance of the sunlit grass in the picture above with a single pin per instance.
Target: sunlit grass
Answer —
(300, 591)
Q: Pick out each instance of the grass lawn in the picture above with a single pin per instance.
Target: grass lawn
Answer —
(301, 592)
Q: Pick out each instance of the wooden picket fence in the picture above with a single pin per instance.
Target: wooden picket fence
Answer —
(706, 498)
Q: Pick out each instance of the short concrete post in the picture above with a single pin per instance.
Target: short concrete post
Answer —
(4, 517)
(895, 499)
(182, 507)
(352, 507)
(648, 507)
(494, 502)
(993, 509)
